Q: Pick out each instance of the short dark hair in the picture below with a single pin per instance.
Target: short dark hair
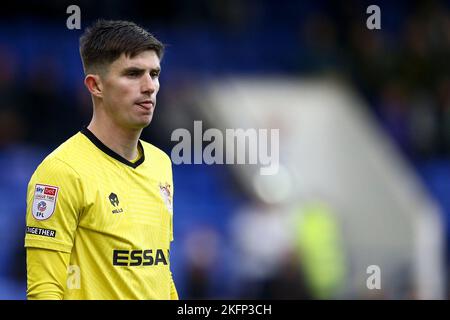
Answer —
(106, 40)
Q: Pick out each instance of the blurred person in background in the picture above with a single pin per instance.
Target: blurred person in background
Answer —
(202, 255)
(100, 205)
(319, 244)
(264, 241)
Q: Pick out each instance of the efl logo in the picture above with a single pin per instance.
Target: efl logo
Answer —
(44, 201)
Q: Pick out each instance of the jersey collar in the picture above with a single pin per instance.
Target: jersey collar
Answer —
(110, 152)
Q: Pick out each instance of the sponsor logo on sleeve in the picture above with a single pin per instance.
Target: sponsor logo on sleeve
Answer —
(41, 232)
(44, 201)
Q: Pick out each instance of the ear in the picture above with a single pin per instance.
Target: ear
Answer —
(93, 83)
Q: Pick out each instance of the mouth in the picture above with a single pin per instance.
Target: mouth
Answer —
(146, 104)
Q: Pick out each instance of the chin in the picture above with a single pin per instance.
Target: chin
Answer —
(144, 123)
(138, 122)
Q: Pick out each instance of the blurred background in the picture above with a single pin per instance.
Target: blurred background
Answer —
(364, 120)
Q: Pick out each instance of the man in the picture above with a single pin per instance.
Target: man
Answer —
(99, 207)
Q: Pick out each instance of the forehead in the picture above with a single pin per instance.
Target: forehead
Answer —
(144, 60)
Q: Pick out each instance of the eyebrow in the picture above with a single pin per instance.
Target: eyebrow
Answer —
(139, 70)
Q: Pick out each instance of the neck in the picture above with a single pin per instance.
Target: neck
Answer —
(121, 140)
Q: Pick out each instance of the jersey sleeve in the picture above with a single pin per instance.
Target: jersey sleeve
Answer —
(54, 204)
(46, 274)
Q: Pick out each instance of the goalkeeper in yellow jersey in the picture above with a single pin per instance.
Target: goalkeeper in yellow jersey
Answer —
(99, 208)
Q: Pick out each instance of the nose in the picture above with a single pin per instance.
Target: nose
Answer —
(148, 84)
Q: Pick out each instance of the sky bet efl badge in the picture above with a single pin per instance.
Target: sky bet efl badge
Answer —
(44, 201)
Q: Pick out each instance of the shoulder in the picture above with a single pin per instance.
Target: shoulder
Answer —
(62, 161)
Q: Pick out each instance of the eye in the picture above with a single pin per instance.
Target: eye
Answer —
(154, 74)
(132, 74)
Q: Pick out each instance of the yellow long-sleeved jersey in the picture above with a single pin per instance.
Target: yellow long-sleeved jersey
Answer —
(98, 225)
